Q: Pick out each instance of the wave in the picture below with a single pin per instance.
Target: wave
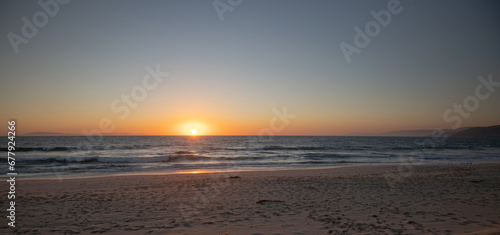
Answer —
(96, 159)
(327, 162)
(278, 147)
(325, 156)
(255, 158)
(52, 160)
(188, 157)
(184, 152)
(30, 149)
(183, 158)
(73, 148)
(439, 147)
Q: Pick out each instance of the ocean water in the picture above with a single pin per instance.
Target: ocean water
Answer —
(56, 156)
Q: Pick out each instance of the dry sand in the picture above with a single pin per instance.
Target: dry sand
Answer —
(348, 200)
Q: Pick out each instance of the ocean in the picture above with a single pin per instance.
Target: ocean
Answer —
(57, 156)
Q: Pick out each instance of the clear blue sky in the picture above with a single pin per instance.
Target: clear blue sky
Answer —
(228, 75)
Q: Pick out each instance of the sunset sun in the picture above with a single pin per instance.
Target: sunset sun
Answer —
(193, 128)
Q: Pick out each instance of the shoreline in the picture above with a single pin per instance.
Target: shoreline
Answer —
(66, 176)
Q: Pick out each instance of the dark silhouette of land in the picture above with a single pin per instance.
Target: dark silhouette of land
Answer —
(464, 132)
(479, 132)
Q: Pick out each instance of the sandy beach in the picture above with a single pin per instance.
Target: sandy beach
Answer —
(427, 199)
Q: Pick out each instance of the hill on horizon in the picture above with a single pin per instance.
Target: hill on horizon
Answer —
(479, 132)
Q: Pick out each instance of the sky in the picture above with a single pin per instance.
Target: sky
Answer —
(241, 67)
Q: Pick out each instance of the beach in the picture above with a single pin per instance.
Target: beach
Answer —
(383, 199)
(233, 117)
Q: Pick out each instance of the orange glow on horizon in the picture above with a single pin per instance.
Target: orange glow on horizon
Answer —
(194, 128)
